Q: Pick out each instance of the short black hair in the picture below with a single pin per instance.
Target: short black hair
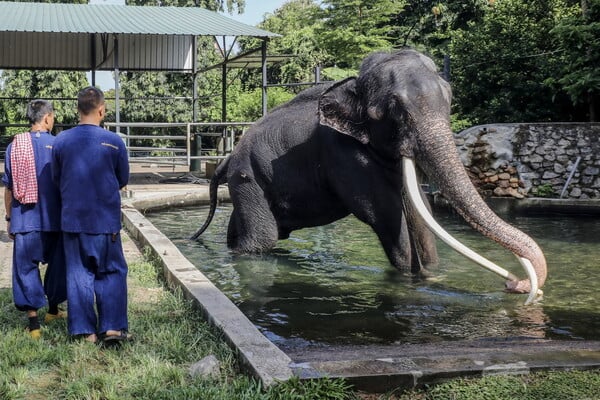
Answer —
(37, 109)
(88, 99)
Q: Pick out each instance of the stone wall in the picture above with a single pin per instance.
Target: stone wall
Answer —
(534, 160)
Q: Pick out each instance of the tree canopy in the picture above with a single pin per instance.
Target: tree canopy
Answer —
(507, 60)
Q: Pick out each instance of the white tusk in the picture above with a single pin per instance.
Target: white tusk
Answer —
(410, 179)
(533, 281)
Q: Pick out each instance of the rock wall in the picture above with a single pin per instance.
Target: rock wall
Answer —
(534, 160)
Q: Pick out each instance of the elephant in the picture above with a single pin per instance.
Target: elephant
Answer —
(350, 147)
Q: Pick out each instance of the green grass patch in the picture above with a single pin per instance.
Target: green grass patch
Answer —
(170, 335)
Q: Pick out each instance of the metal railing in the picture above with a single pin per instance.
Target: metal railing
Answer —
(169, 143)
(178, 143)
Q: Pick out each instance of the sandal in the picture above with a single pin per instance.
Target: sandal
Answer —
(115, 340)
(35, 334)
(53, 317)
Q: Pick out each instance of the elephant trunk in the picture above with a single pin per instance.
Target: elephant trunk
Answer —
(441, 162)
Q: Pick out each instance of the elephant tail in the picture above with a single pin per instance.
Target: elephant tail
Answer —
(218, 178)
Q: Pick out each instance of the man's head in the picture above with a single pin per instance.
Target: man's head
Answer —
(40, 114)
(90, 104)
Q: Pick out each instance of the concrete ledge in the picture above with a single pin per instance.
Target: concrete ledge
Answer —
(169, 199)
(542, 206)
(264, 360)
(533, 205)
(384, 368)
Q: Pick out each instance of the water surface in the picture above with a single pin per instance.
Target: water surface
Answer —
(334, 285)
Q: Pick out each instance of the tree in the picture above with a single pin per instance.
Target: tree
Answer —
(295, 21)
(501, 65)
(171, 92)
(22, 85)
(351, 29)
(578, 36)
(213, 5)
(429, 25)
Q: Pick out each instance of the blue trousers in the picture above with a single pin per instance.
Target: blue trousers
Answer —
(96, 281)
(29, 249)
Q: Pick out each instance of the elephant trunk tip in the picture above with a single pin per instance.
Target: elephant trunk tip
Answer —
(521, 286)
(538, 263)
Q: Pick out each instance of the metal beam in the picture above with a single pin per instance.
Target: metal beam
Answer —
(117, 103)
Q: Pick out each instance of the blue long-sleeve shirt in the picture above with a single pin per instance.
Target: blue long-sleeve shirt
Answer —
(43, 216)
(90, 165)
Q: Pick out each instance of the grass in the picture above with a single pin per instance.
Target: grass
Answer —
(171, 336)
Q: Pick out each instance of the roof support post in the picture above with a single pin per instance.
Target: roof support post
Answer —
(93, 57)
(117, 102)
(224, 91)
(263, 55)
(195, 79)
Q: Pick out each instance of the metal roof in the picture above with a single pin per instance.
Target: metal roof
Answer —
(85, 36)
(119, 19)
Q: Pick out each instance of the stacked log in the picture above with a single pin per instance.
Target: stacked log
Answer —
(503, 182)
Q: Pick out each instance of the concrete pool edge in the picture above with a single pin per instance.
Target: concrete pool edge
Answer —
(376, 371)
(384, 368)
(261, 357)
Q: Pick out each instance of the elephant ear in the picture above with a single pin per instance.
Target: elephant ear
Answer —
(340, 109)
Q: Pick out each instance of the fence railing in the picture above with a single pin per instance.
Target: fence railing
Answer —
(171, 143)
(178, 143)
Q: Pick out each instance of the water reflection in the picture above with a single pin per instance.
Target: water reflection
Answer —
(334, 285)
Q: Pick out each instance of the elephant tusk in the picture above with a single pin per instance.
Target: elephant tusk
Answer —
(410, 179)
(533, 281)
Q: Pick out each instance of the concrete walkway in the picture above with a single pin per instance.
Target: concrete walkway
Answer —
(5, 252)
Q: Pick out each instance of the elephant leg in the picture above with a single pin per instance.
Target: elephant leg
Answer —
(395, 240)
(252, 226)
(407, 242)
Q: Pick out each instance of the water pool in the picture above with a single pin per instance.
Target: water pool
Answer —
(333, 285)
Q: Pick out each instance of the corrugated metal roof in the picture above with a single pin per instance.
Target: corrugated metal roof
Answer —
(118, 19)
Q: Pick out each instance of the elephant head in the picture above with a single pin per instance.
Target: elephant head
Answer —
(400, 107)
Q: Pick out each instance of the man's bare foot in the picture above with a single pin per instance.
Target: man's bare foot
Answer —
(91, 338)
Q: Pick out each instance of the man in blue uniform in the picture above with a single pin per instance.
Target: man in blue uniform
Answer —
(32, 203)
(90, 166)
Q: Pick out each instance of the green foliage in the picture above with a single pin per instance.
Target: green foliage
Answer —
(458, 124)
(577, 33)
(509, 60)
(351, 29)
(574, 385)
(23, 85)
(337, 74)
(429, 25)
(545, 190)
(500, 64)
(246, 106)
(297, 22)
(213, 5)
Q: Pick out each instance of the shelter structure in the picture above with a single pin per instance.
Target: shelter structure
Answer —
(103, 37)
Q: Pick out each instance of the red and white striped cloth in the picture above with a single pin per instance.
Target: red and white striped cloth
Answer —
(22, 162)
